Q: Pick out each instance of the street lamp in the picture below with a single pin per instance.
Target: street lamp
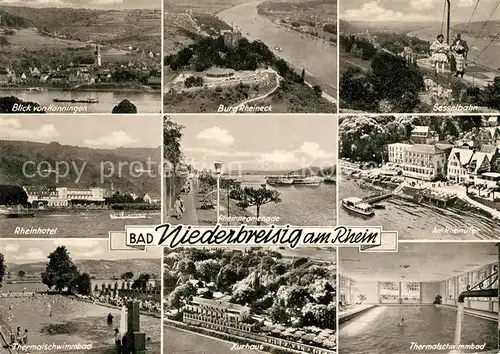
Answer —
(218, 167)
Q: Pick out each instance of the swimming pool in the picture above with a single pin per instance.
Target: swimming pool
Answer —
(377, 331)
(82, 322)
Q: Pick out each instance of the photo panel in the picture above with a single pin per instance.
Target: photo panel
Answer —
(426, 298)
(81, 178)
(82, 56)
(408, 56)
(427, 177)
(250, 299)
(250, 57)
(76, 295)
(254, 170)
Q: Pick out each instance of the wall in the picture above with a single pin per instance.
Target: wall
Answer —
(367, 288)
(429, 291)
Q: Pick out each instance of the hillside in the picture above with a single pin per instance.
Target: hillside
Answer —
(13, 154)
(98, 268)
(482, 29)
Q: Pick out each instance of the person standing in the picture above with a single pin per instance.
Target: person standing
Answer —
(118, 341)
(461, 42)
(178, 208)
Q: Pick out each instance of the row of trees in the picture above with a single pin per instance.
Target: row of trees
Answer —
(172, 154)
(12, 195)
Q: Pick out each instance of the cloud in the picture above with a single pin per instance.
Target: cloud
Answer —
(214, 152)
(216, 135)
(80, 243)
(11, 248)
(422, 4)
(104, 2)
(279, 157)
(465, 3)
(117, 138)
(33, 254)
(12, 130)
(313, 150)
(372, 11)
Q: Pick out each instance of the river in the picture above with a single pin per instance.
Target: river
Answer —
(146, 102)
(302, 206)
(417, 221)
(84, 225)
(317, 57)
(490, 57)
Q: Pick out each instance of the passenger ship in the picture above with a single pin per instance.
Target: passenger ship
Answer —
(357, 205)
(122, 215)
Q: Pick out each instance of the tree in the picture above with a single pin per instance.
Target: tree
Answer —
(12, 195)
(227, 277)
(60, 272)
(256, 197)
(4, 41)
(124, 106)
(21, 274)
(172, 135)
(2, 268)
(303, 75)
(317, 90)
(278, 314)
(207, 270)
(182, 295)
(141, 282)
(127, 276)
(83, 284)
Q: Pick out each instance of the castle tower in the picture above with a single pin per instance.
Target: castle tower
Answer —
(97, 56)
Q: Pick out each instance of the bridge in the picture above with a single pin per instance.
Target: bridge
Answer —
(379, 197)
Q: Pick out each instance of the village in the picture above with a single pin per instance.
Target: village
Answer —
(87, 71)
(465, 167)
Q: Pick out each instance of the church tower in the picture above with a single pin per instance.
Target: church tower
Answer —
(97, 56)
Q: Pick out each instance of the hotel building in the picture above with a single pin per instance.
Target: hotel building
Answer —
(425, 162)
(216, 314)
(63, 196)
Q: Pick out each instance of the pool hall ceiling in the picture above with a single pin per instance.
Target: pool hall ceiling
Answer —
(419, 262)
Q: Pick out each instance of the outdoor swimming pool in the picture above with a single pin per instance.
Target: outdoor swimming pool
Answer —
(377, 331)
(72, 322)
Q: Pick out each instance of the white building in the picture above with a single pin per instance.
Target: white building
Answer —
(151, 198)
(425, 162)
(458, 162)
(424, 135)
(397, 152)
(63, 196)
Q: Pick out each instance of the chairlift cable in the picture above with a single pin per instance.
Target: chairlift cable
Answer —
(484, 49)
(488, 20)
(473, 12)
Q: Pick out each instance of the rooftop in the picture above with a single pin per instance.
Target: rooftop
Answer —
(221, 304)
(425, 149)
(463, 155)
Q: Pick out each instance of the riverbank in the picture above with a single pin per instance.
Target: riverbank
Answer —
(410, 194)
(132, 88)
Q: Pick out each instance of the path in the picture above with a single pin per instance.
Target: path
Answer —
(326, 96)
(261, 97)
(189, 217)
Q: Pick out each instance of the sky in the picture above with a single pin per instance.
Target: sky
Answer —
(24, 251)
(415, 10)
(97, 4)
(259, 142)
(94, 131)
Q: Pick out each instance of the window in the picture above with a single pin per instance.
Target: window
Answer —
(451, 288)
(480, 275)
(463, 281)
(410, 291)
(389, 290)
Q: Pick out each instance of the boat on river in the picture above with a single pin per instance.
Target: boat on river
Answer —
(17, 212)
(123, 216)
(88, 100)
(357, 205)
(306, 182)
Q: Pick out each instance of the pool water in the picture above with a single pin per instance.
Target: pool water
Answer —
(377, 331)
(81, 322)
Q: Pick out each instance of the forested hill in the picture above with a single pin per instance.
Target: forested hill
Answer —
(98, 165)
(51, 18)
